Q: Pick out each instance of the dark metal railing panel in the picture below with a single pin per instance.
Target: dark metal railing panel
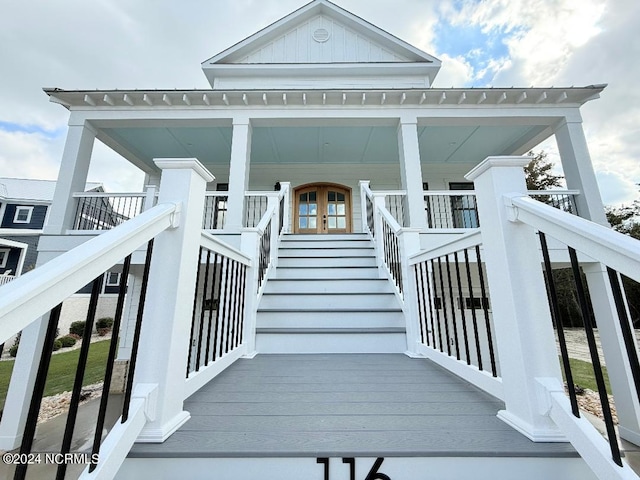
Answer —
(371, 224)
(215, 212)
(392, 254)
(264, 254)
(218, 309)
(106, 212)
(397, 207)
(255, 206)
(562, 201)
(451, 211)
(83, 359)
(441, 284)
(281, 215)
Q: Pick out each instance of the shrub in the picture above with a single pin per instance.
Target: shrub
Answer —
(13, 351)
(67, 341)
(77, 328)
(57, 345)
(105, 322)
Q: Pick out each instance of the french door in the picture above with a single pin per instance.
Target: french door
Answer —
(322, 208)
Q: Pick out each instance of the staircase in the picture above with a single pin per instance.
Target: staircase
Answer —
(327, 297)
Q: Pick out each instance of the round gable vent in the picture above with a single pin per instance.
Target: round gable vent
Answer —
(321, 35)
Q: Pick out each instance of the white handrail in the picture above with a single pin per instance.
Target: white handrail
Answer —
(386, 215)
(106, 194)
(618, 251)
(37, 292)
(216, 245)
(464, 241)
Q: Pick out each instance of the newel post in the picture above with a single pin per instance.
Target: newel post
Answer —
(524, 331)
(164, 340)
(409, 242)
(250, 246)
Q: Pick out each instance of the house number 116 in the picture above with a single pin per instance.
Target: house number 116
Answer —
(373, 474)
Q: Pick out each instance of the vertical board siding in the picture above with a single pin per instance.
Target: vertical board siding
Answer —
(343, 45)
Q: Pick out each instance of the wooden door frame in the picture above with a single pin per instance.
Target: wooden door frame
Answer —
(320, 185)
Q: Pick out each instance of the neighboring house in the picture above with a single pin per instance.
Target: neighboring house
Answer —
(324, 203)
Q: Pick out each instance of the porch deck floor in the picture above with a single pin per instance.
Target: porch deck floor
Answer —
(344, 405)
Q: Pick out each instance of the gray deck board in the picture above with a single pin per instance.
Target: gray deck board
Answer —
(343, 405)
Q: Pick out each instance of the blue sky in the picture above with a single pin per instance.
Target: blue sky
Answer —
(114, 44)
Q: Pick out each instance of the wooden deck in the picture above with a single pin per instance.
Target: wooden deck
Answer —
(343, 405)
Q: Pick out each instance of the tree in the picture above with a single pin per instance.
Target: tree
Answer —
(538, 173)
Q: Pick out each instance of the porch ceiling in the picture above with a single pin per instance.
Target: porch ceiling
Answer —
(450, 144)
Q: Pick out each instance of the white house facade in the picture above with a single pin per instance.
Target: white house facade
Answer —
(323, 215)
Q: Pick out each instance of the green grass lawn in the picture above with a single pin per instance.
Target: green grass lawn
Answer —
(62, 370)
(584, 377)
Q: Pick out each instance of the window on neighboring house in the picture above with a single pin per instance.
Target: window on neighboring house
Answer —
(4, 257)
(477, 303)
(113, 279)
(23, 215)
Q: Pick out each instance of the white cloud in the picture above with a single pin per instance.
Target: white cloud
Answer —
(29, 155)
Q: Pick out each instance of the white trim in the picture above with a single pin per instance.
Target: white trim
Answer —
(20, 209)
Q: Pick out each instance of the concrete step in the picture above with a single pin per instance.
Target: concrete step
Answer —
(334, 319)
(343, 261)
(322, 252)
(329, 301)
(331, 285)
(328, 272)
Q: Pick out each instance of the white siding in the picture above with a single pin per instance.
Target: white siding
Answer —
(343, 45)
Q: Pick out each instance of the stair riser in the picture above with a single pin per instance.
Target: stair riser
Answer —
(312, 251)
(328, 302)
(326, 244)
(327, 262)
(330, 320)
(331, 343)
(328, 286)
(327, 273)
(326, 238)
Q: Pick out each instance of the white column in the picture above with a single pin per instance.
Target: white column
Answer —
(523, 328)
(166, 324)
(286, 226)
(409, 242)
(411, 171)
(363, 204)
(238, 173)
(578, 170)
(71, 179)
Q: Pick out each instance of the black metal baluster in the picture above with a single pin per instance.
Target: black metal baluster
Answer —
(453, 309)
(194, 311)
(213, 296)
(113, 351)
(136, 335)
(430, 301)
(420, 299)
(473, 307)
(595, 359)
(216, 327)
(201, 326)
(224, 328)
(485, 308)
(435, 306)
(236, 305)
(38, 392)
(555, 315)
(625, 326)
(82, 365)
(230, 319)
(443, 304)
(242, 299)
(462, 309)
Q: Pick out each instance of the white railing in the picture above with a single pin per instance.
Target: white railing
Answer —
(104, 211)
(214, 214)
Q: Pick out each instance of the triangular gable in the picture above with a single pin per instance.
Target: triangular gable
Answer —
(321, 32)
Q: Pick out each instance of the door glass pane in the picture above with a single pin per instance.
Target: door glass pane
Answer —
(332, 209)
(303, 209)
(332, 196)
(312, 222)
(303, 222)
(342, 222)
(313, 209)
(341, 209)
(303, 197)
(341, 197)
(332, 222)
(312, 196)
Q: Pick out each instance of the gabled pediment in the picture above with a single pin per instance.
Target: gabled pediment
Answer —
(320, 33)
